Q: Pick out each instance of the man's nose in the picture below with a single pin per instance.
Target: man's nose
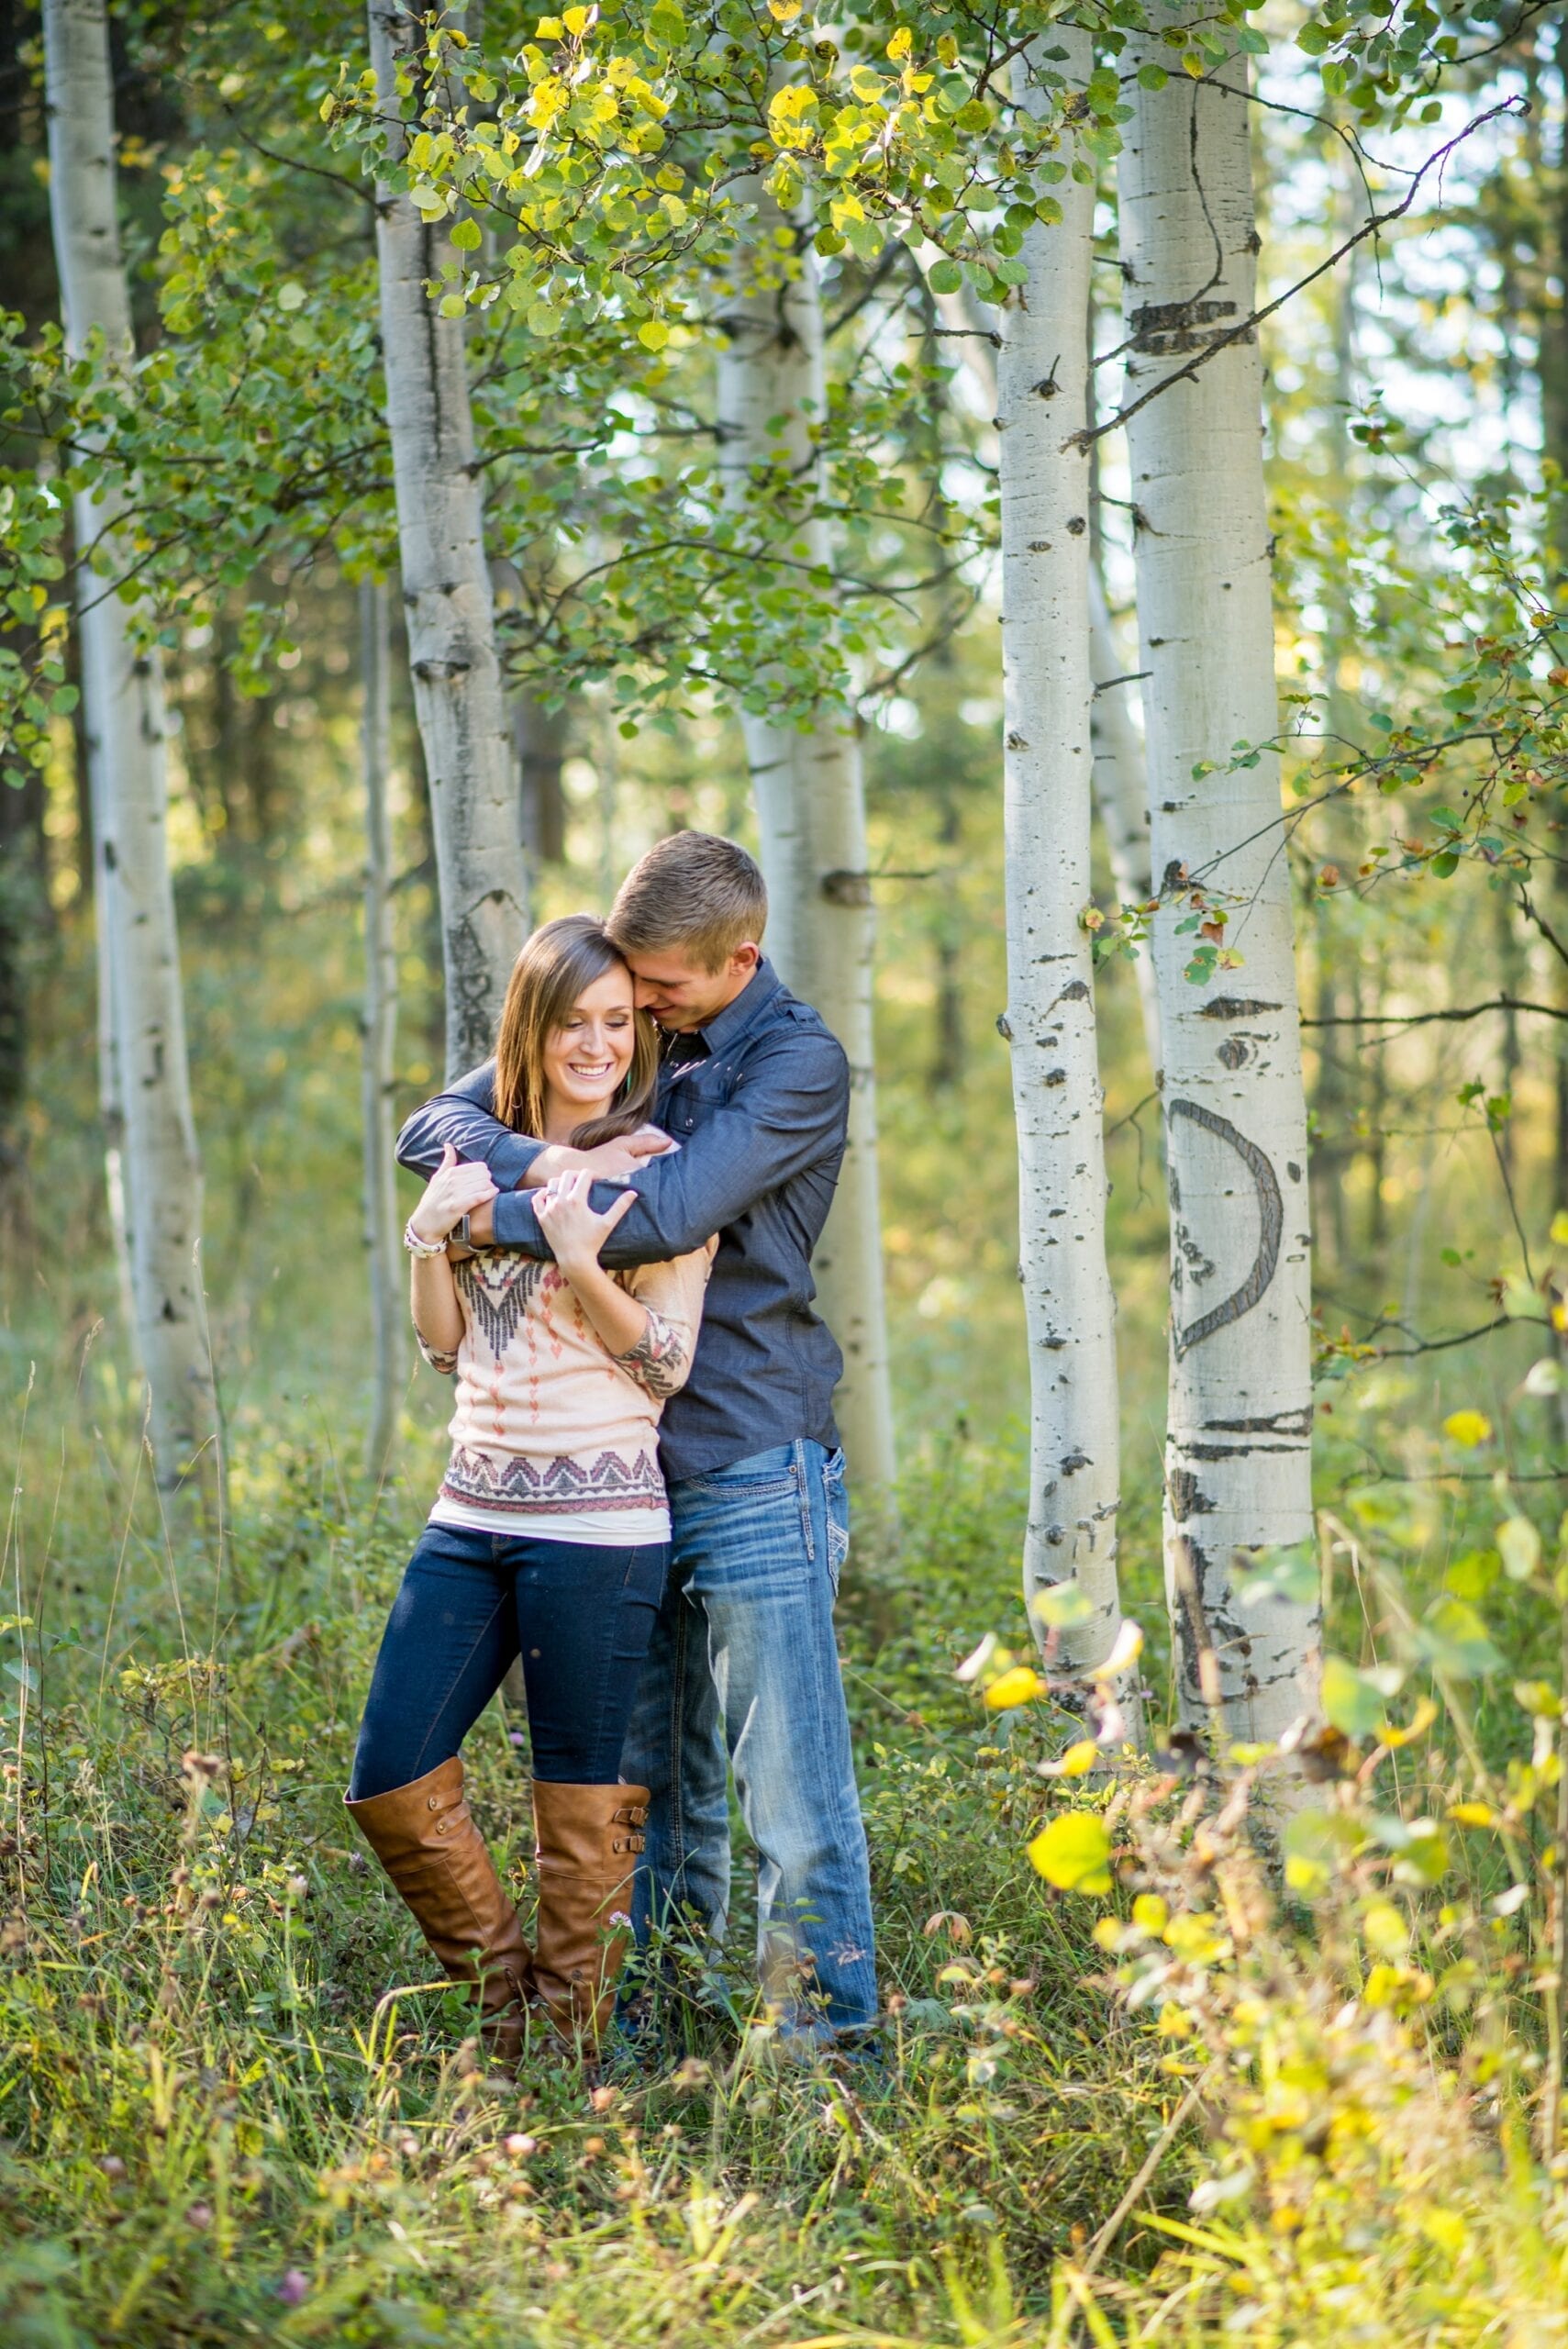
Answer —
(645, 993)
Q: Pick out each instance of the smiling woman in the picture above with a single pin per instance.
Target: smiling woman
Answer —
(550, 1536)
(571, 1047)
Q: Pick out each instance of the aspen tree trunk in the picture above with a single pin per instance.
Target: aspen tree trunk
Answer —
(389, 1308)
(1238, 1475)
(124, 722)
(1121, 796)
(1120, 793)
(111, 1096)
(458, 695)
(810, 801)
(1042, 401)
(539, 736)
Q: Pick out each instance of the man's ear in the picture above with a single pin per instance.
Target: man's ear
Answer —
(745, 959)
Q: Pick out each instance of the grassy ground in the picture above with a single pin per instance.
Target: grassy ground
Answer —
(219, 2120)
(229, 2110)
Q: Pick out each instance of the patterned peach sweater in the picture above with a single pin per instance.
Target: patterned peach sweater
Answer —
(550, 1430)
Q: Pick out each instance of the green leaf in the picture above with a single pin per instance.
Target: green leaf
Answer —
(654, 334)
(1453, 1639)
(1060, 1606)
(1290, 1573)
(466, 236)
(1073, 1852)
(945, 277)
(291, 295)
(1350, 1700)
(1518, 1546)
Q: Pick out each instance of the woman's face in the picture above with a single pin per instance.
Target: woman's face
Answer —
(586, 1058)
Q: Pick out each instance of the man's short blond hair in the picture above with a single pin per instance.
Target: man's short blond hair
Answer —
(694, 893)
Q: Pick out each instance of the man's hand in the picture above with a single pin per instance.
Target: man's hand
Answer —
(610, 1162)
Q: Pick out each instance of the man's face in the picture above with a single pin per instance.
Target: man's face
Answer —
(680, 996)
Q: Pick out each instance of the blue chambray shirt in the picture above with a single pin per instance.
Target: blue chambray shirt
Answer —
(759, 1101)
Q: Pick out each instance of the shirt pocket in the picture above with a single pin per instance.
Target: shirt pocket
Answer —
(693, 1097)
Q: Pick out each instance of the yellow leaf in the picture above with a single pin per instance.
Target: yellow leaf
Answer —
(1150, 1913)
(654, 334)
(1467, 1429)
(1079, 1759)
(1073, 1852)
(1386, 1929)
(1559, 1231)
(1473, 1814)
(1019, 1686)
(1174, 2021)
(783, 12)
(1392, 1735)
(549, 28)
(901, 44)
(578, 20)
(1518, 1541)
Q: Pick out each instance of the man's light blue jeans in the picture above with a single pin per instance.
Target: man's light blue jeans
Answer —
(743, 1664)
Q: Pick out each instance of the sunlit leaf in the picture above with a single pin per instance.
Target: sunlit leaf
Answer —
(1518, 1546)
(1467, 1429)
(1019, 1686)
(1073, 1852)
(1061, 1606)
(1350, 1701)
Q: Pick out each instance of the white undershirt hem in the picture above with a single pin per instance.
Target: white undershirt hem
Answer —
(599, 1529)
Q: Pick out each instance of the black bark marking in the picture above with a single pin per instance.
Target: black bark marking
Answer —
(1270, 1217)
(1233, 1053)
(1235, 1006)
(1290, 1422)
(1185, 1497)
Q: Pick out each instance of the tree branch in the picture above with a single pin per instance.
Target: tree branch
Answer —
(1245, 327)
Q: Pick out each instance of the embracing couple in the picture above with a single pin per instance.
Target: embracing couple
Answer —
(645, 1498)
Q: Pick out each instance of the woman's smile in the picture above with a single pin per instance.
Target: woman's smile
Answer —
(586, 1058)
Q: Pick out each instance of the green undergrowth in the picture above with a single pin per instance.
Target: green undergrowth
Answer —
(1287, 2110)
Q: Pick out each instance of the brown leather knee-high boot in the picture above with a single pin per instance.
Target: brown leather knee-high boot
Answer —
(424, 1837)
(586, 1844)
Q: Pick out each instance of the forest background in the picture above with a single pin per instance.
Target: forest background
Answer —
(1216, 2108)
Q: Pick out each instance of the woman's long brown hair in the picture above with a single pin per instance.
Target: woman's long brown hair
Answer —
(557, 962)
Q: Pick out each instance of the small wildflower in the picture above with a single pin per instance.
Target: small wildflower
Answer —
(294, 2287)
(520, 2146)
(111, 2167)
(199, 2215)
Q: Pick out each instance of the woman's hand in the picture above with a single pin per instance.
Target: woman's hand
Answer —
(568, 1221)
(453, 1192)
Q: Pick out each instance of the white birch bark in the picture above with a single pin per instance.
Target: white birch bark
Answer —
(1238, 1458)
(458, 695)
(383, 1253)
(141, 1008)
(1121, 795)
(1042, 401)
(810, 803)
